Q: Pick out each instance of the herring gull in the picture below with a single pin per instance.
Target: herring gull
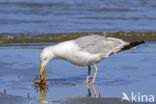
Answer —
(85, 51)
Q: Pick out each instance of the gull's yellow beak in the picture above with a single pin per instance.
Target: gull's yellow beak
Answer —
(42, 69)
(41, 97)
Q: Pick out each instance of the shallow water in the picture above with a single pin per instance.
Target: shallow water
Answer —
(26, 26)
(68, 16)
(129, 71)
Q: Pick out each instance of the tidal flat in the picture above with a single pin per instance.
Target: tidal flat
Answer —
(27, 26)
(129, 71)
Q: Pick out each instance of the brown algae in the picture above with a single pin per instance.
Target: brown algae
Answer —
(40, 80)
(40, 86)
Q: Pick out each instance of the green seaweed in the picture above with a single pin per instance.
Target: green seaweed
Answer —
(54, 38)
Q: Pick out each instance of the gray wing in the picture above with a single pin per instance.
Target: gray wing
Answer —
(96, 44)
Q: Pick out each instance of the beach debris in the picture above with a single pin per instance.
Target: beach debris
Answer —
(5, 91)
(28, 95)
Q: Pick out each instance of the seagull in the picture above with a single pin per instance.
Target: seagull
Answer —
(85, 51)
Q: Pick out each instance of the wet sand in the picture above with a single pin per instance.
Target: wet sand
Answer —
(129, 71)
(89, 100)
(9, 99)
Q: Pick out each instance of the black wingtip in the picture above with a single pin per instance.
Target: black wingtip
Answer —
(132, 44)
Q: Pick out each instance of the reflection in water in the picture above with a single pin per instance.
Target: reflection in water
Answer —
(43, 89)
(89, 92)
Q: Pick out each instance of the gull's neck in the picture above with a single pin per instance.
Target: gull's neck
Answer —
(59, 50)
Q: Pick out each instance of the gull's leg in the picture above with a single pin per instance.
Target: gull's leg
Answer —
(96, 69)
(89, 70)
(89, 93)
(95, 91)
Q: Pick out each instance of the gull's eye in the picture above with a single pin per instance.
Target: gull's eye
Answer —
(45, 58)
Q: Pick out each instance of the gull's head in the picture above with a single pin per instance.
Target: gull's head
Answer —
(45, 57)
